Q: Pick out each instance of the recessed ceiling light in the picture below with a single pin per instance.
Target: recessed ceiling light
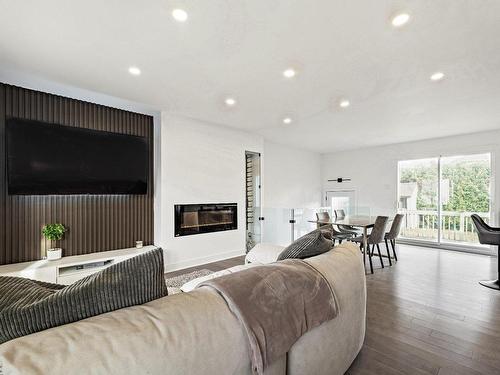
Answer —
(344, 103)
(287, 120)
(438, 76)
(134, 70)
(289, 73)
(230, 102)
(180, 15)
(400, 19)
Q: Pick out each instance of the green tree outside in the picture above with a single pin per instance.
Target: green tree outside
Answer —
(469, 186)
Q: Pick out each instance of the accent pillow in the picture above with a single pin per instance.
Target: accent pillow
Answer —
(326, 231)
(28, 306)
(309, 245)
(264, 253)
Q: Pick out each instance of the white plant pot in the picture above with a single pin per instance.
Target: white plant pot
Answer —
(54, 254)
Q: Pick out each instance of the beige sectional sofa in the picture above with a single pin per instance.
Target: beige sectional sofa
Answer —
(195, 333)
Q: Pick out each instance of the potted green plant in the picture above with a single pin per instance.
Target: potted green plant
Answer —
(53, 233)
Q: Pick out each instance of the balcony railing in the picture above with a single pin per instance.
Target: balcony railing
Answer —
(455, 226)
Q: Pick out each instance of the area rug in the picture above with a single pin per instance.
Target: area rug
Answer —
(174, 283)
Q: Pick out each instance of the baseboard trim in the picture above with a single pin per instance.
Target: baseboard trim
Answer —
(448, 246)
(169, 267)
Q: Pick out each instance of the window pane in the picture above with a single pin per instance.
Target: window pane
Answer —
(465, 190)
(418, 198)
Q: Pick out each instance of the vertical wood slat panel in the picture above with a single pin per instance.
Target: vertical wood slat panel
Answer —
(3, 176)
(95, 222)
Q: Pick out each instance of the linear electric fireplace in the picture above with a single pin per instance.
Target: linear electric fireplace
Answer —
(205, 218)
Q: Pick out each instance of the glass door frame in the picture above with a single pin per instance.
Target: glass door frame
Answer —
(346, 190)
(439, 243)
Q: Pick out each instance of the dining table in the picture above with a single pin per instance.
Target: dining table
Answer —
(362, 222)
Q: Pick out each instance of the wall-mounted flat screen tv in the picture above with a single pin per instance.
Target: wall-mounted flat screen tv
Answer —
(44, 158)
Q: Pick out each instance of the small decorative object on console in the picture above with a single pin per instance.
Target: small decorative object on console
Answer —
(53, 233)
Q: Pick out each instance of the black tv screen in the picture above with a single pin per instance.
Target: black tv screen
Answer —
(44, 158)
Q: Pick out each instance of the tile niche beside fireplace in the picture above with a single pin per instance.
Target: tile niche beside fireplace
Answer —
(204, 218)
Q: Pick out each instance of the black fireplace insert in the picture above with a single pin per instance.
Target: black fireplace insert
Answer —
(205, 218)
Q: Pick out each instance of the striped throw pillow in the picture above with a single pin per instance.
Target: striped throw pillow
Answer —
(309, 245)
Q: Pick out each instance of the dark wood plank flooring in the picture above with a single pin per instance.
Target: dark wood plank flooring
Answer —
(427, 314)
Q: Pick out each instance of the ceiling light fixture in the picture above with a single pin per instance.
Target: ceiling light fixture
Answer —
(180, 15)
(438, 76)
(344, 103)
(230, 102)
(287, 120)
(400, 19)
(289, 73)
(134, 70)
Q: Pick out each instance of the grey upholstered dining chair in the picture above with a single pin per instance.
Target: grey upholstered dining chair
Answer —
(328, 230)
(392, 235)
(340, 215)
(489, 236)
(374, 239)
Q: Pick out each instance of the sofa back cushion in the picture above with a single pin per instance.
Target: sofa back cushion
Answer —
(264, 253)
(28, 306)
(310, 244)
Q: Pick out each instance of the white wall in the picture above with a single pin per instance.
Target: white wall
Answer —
(205, 163)
(292, 177)
(374, 171)
(201, 163)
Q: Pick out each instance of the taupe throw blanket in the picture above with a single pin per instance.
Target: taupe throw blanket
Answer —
(276, 304)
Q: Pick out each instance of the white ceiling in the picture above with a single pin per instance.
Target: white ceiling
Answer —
(240, 47)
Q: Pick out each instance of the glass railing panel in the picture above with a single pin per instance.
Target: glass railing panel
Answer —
(304, 224)
(276, 226)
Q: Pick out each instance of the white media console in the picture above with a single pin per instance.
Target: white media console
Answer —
(67, 270)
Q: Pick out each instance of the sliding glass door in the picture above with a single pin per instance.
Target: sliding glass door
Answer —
(465, 191)
(437, 196)
(418, 198)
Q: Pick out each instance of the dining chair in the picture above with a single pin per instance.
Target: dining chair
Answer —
(489, 236)
(340, 215)
(374, 239)
(328, 230)
(392, 235)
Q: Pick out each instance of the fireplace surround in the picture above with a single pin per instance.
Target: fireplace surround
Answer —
(205, 218)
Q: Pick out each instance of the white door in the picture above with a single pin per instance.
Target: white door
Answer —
(341, 200)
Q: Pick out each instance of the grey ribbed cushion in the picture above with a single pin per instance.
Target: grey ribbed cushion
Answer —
(28, 306)
(311, 244)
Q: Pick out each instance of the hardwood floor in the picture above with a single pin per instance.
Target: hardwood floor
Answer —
(427, 314)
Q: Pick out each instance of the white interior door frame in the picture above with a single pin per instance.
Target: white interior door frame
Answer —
(349, 192)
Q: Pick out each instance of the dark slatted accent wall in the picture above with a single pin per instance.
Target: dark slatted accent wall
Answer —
(95, 222)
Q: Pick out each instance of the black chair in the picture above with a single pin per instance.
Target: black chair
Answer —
(375, 237)
(328, 230)
(392, 235)
(489, 236)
